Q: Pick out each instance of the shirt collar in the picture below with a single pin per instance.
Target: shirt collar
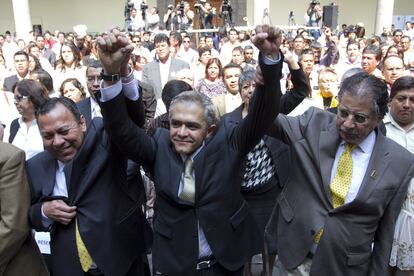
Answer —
(367, 145)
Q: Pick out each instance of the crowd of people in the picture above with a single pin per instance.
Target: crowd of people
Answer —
(204, 152)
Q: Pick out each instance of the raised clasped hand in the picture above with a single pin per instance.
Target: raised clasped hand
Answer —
(114, 51)
(268, 39)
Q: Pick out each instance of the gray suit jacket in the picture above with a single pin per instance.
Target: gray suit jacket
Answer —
(305, 204)
(152, 76)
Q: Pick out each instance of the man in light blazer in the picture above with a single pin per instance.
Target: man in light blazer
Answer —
(164, 68)
(19, 254)
(355, 237)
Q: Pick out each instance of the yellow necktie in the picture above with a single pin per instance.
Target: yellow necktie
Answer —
(343, 177)
(341, 182)
(84, 256)
(188, 192)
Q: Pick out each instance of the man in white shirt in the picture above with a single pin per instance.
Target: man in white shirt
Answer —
(227, 48)
(230, 100)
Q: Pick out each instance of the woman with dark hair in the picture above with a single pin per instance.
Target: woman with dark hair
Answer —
(24, 132)
(204, 55)
(69, 65)
(71, 88)
(34, 63)
(212, 85)
(395, 51)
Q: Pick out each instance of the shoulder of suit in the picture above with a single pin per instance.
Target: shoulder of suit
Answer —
(8, 150)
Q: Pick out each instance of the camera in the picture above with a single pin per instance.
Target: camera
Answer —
(181, 7)
(143, 6)
(313, 3)
(128, 8)
(226, 7)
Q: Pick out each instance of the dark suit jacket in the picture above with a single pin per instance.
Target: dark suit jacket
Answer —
(305, 203)
(49, 55)
(9, 82)
(109, 214)
(219, 208)
(85, 109)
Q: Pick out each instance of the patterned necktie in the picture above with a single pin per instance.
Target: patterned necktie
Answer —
(341, 182)
(188, 192)
(343, 177)
(84, 256)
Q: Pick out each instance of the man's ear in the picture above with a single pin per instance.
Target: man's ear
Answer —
(82, 123)
(211, 129)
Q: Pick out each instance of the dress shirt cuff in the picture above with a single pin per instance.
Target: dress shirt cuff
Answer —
(131, 90)
(110, 92)
(46, 222)
(269, 60)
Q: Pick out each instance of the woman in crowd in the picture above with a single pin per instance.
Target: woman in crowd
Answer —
(69, 65)
(212, 85)
(204, 54)
(24, 132)
(34, 63)
(72, 88)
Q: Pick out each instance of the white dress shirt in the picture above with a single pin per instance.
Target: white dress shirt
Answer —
(28, 138)
(360, 160)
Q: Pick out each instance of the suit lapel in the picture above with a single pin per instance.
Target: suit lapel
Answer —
(328, 144)
(49, 169)
(378, 163)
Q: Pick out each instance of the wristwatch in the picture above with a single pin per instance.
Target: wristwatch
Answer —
(113, 78)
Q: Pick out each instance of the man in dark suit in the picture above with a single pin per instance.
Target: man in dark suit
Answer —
(21, 64)
(158, 72)
(80, 194)
(337, 212)
(202, 223)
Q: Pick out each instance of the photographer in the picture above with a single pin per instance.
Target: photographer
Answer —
(168, 18)
(313, 17)
(207, 12)
(183, 20)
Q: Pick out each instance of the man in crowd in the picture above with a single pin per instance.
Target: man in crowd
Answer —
(186, 53)
(19, 254)
(371, 57)
(406, 47)
(393, 69)
(164, 68)
(249, 56)
(21, 64)
(336, 213)
(75, 185)
(198, 228)
(45, 52)
(227, 48)
(397, 35)
(227, 102)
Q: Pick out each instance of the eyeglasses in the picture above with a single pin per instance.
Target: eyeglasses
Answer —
(136, 41)
(357, 118)
(20, 98)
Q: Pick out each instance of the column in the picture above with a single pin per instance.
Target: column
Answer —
(385, 10)
(22, 20)
(260, 7)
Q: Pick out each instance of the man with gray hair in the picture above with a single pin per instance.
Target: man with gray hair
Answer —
(337, 211)
(200, 215)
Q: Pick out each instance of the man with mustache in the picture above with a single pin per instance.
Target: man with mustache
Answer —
(337, 211)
